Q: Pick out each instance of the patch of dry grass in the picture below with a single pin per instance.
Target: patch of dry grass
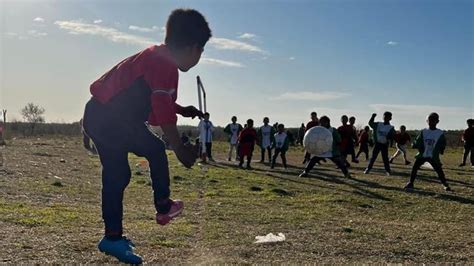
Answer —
(50, 211)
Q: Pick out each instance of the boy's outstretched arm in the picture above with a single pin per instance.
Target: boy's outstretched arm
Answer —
(187, 155)
(371, 121)
(188, 111)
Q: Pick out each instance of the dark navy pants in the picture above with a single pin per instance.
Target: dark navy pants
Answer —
(383, 149)
(118, 128)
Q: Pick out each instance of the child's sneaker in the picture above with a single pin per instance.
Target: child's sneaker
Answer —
(447, 188)
(175, 210)
(348, 175)
(121, 249)
(409, 186)
(366, 171)
(387, 173)
(462, 164)
(304, 174)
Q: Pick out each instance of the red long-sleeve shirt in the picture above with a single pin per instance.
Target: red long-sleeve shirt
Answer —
(158, 69)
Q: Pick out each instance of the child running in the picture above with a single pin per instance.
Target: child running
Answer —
(430, 144)
(468, 139)
(401, 139)
(383, 133)
(206, 128)
(334, 155)
(138, 92)
(265, 139)
(280, 143)
(247, 139)
(364, 143)
(233, 130)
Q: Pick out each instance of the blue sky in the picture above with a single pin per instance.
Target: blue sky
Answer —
(281, 59)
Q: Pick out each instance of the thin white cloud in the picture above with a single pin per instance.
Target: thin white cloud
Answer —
(98, 21)
(310, 96)
(37, 34)
(247, 35)
(143, 29)
(38, 19)
(228, 44)
(292, 58)
(219, 62)
(109, 33)
(392, 43)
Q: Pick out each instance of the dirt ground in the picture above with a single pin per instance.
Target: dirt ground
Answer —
(50, 211)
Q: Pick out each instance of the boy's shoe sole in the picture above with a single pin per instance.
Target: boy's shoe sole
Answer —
(447, 188)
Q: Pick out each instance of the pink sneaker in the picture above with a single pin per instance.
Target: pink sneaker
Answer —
(175, 210)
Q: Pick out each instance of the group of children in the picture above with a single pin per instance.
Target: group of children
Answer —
(430, 143)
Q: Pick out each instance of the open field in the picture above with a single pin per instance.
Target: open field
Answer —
(50, 211)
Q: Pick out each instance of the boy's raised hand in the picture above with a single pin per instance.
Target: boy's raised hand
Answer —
(374, 115)
(191, 111)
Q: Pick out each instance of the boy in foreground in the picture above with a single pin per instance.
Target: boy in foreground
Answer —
(430, 144)
(334, 155)
(383, 134)
(138, 92)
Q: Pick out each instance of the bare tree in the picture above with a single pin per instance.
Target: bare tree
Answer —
(33, 114)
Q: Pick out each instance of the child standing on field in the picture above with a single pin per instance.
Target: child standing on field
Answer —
(247, 139)
(401, 138)
(206, 128)
(468, 139)
(430, 144)
(334, 154)
(383, 134)
(138, 92)
(281, 144)
(364, 143)
(233, 130)
(265, 139)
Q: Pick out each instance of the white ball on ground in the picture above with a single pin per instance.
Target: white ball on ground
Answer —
(318, 140)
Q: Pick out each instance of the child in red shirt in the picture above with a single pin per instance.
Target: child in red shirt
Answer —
(402, 139)
(247, 140)
(364, 143)
(139, 92)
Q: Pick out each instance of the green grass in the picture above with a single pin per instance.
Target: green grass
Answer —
(326, 218)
